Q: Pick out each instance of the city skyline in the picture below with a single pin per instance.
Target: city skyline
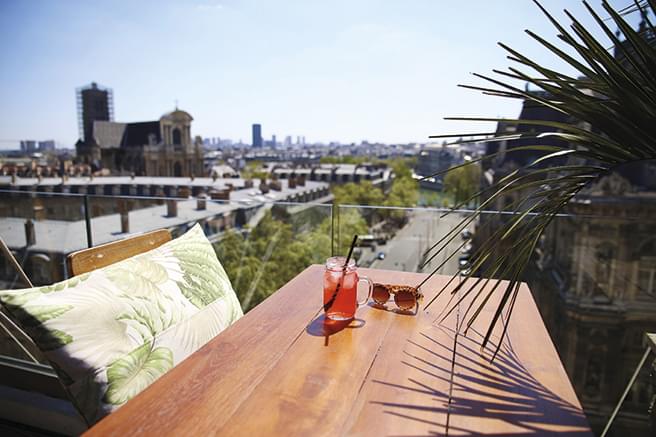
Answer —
(382, 72)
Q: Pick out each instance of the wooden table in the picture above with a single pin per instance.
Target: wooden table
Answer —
(275, 372)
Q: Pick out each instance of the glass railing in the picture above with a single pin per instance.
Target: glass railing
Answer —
(399, 238)
(592, 277)
(262, 244)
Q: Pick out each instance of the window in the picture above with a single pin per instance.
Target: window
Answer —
(647, 278)
(604, 255)
(177, 137)
(647, 268)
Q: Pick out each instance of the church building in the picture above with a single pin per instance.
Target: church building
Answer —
(152, 148)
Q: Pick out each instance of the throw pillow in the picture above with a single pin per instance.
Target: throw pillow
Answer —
(112, 332)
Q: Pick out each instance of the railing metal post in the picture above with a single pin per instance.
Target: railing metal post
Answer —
(87, 219)
(332, 228)
(651, 340)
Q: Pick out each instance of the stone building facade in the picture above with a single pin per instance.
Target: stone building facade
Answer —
(593, 277)
(153, 148)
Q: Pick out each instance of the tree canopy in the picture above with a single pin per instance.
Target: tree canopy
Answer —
(463, 182)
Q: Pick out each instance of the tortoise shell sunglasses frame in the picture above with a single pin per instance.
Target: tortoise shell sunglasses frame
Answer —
(405, 296)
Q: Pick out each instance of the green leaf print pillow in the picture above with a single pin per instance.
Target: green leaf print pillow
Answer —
(112, 332)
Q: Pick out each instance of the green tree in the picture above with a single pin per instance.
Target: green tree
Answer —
(463, 182)
(343, 159)
(404, 193)
(363, 193)
(254, 170)
(402, 167)
(350, 223)
(270, 256)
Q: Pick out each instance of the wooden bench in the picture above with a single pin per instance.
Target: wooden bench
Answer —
(86, 260)
(30, 393)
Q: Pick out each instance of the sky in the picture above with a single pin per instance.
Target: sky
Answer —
(344, 71)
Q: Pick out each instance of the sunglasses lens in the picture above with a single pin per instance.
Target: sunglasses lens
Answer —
(380, 294)
(405, 300)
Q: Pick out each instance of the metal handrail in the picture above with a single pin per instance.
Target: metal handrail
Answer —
(651, 348)
(441, 210)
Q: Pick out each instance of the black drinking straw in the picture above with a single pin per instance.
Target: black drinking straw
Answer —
(330, 303)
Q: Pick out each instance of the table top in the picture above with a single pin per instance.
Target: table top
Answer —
(280, 370)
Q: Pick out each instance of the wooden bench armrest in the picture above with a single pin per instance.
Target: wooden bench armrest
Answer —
(86, 260)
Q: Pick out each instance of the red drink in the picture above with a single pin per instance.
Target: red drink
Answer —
(340, 289)
(344, 303)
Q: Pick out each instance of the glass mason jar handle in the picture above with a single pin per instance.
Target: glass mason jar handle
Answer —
(371, 288)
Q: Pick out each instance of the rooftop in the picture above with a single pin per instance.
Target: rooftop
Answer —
(66, 236)
(219, 183)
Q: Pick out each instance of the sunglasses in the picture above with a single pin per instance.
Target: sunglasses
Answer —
(405, 296)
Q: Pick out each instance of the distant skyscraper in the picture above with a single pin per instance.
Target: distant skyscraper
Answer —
(94, 103)
(273, 141)
(28, 146)
(45, 146)
(288, 140)
(257, 135)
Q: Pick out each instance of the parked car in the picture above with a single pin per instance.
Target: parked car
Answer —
(466, 234)
(366, 240)
(381, 255)
(463, 264)
(467, 248)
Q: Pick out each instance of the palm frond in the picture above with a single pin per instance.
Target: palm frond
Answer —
(608, 110)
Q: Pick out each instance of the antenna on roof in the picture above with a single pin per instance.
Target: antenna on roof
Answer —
(176, 104)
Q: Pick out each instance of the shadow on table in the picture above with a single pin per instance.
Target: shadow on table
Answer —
(324, 327)
(391, 307)
(503, 392)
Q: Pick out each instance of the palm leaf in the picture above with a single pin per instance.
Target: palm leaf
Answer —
(616, 96)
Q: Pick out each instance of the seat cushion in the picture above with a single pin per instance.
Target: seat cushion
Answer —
(112, 332)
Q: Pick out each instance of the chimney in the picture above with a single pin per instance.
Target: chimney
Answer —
(30, 235)
(264, 188)
(184, 192)
(171, 208)
(201, 202)
(38, 210)
(291, 182)
(220, 194)
(275, 185)
(13, 178)
(124, 209)
(192, 177)
(300, 181)
(248, 183)
(125, 222)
